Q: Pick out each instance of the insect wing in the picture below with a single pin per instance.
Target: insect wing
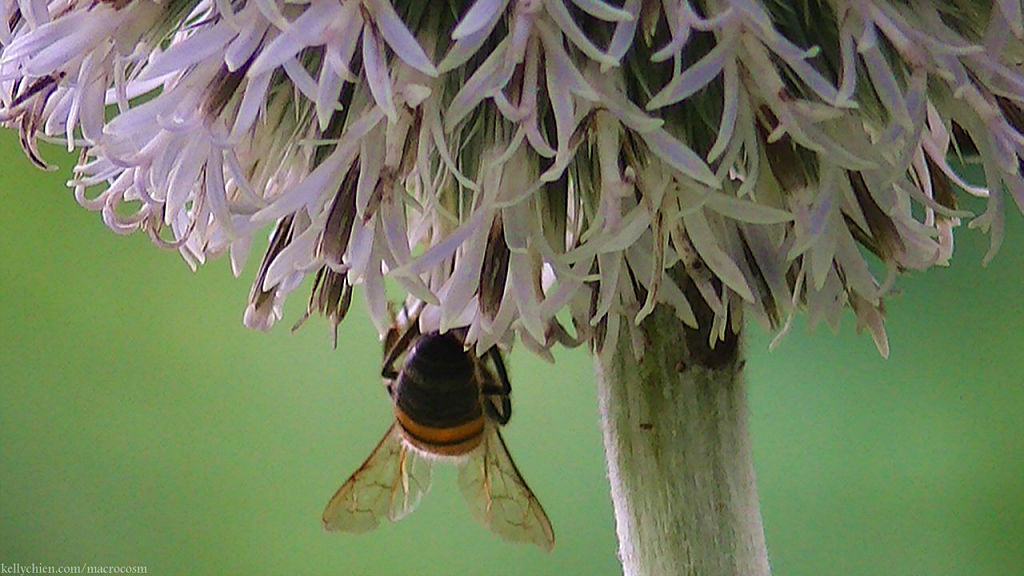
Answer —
(389, 485)
(499, 498)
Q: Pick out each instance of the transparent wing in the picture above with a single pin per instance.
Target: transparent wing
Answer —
(388, 486)
(499, 497)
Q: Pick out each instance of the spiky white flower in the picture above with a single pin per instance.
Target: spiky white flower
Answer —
(505, 160)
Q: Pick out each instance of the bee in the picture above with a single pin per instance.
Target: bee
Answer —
(448, 406)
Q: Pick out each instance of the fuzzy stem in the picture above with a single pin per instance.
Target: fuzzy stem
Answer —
(679, 461)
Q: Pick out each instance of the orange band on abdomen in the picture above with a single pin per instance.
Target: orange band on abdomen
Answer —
(453, 441)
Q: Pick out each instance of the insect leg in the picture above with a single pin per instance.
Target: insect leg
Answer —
(412, 330)
(500, 406)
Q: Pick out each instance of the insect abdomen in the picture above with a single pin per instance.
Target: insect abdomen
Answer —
(437, 398)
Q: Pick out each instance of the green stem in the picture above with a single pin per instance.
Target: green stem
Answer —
(678, 451)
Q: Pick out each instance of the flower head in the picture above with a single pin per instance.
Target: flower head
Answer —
(522, 165)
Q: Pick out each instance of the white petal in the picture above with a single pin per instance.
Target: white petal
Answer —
(604, 11)
(272, 12)
(243, 46)
(216, 193)
(561, 16)
(398, 37)
(462, 286)
(328, 89)
(207, 43)
(293, 258)
(521, 277)
(320, 182)
(376, 298)
(307, 30)
(371, 161)
(491, 76)
(378, 77)
(745, 210)
(680, 156)
(300, 78)
(695, 77)
(558, 63)
(706, 244)
(610, 266)
(183, 177)
(76, 30)
(481, 16)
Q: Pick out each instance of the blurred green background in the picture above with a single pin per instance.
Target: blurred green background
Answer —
(141, 424)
